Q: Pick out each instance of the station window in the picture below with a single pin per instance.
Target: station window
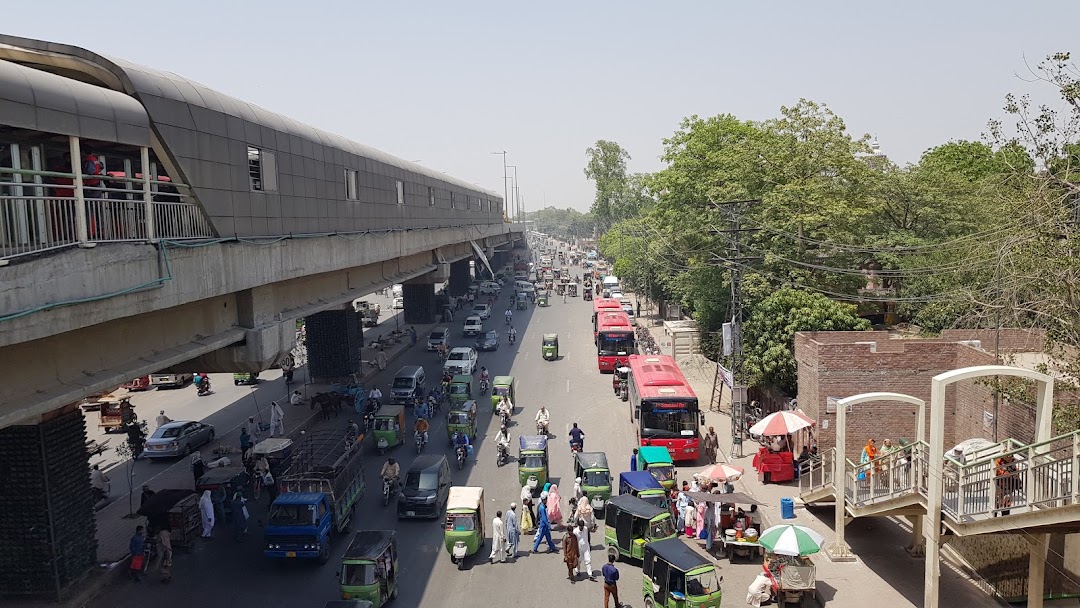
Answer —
(431, 196)
(262, 170)
(351, 192)
(400, 192)
(453, 202)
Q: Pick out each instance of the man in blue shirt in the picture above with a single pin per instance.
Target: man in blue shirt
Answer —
(138, 558)
(577, 436)
(611, 581)
(633, 460)
(543, 526)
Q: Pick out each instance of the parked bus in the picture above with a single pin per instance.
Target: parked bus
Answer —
(614, 339)
(664, 407)
(602, 305)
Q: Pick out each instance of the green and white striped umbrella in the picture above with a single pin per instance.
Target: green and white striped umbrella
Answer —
(788, 539)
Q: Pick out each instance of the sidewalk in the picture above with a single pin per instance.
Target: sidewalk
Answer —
(883, 573)
(114, 528)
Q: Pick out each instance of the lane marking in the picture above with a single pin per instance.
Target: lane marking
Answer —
(568, 385)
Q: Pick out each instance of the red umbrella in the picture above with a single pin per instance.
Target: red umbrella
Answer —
(720, 472)
(781, 423)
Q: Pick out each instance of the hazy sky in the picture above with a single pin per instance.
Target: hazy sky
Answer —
(446, 83)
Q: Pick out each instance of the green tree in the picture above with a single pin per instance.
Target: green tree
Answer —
(618, 195)
(769, 334)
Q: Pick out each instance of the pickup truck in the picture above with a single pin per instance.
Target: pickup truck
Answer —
(368, 311)
(170, 380)
(320, 491)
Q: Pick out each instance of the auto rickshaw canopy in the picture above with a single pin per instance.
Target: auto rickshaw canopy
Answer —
(551, 340)
(466, 498)
(272, 447)
(592, 460)
(655, 455)
(536, 443)
(634, 506)
(676, 553)
(638, 481)
(391, 411)
(368, 545)
(503, 385)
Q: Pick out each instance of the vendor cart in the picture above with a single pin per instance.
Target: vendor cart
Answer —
(116, 413)
(738, 531)
(794, 579)
(175, 510)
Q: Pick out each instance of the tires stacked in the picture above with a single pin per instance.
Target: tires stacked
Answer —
(47, 507)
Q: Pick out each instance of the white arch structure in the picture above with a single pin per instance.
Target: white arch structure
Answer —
(840, 550)
(935, 488)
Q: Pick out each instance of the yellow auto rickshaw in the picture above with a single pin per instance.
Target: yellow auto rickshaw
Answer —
(116, 413)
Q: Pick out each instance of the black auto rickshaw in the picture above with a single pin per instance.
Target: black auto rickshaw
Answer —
(676, 576)
(587, 296)
(630, 523)
(369, 567)
(572, 289)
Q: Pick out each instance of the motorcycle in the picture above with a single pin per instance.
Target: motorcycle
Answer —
(541, 428)
(419, 441)
(387, 489)
(504, 453)
(462, 453)
(513, 338)
(203, 388)
(484, 387)
(505, 417)
(576, 446)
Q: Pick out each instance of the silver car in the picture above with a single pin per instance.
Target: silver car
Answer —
(178, 438)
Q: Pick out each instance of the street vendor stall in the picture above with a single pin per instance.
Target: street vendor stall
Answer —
(781, 431)
(787, 564)
(175, 510)
(738, 534)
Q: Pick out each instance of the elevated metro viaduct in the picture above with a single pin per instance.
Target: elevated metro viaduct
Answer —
(190, 231)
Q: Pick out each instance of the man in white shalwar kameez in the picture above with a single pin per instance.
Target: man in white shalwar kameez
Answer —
(206, 508)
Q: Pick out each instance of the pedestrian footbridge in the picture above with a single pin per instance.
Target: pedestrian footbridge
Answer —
(1037, 492)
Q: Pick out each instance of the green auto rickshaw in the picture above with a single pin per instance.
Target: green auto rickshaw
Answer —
(502, 386)
(542, 298)
(522, 300)
(533, 461)
(550, 347)
(461, 419)
(461, 389)
(592, 468)
(245, 378)
(389, 426)
(630, 523)
(464, 532)
(676, 576)
(369, 567)
(657, 460)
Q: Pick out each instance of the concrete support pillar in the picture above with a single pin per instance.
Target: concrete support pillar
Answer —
(419, 302)
(1040, 543)
(334, 339)
(47, 531)
(459, 281)
(918, 541)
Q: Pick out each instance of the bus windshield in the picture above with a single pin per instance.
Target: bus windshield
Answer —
(670, 424)
(615, 343)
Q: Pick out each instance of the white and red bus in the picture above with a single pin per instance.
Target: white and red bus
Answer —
(664, 407)
(600, 305)
(614, 339)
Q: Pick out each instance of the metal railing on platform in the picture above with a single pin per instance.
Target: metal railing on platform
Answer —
(816, 473)
(41, 211)
(900, 471)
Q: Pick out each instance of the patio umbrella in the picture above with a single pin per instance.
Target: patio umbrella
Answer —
(720, 472)
(788, 539)
(781, 423)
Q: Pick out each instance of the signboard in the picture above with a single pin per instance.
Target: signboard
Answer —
(830, 405)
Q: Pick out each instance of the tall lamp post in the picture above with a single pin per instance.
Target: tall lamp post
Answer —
(516, 191)
(506, 194)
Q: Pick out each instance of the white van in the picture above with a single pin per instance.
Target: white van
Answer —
(524, 287)
(611, 282)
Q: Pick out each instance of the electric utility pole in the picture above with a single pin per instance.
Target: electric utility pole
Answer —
(731, 344)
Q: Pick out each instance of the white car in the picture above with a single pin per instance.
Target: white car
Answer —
(462, 360)
(399, 303)
(617, 295)
(474, 326)
(439, 335)
(481, 310)
(489, 288)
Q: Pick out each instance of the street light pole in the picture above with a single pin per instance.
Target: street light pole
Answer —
(516, 191)
(506, 195)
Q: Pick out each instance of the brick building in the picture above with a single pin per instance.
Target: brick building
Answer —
(840, 364)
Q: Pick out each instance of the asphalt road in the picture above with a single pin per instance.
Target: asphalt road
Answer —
(222, 572)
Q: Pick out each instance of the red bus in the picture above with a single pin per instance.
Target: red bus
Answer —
(601, 305)
(614, 340)
(664, 406)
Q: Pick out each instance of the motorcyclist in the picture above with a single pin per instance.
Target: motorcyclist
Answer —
(543, 418)
(352, 433)
(502, 439)
(443, 350)
(461, 442)
(375, 395)
(99, 481)
(421, 428)
(577, 436)
(391, 470)
(162, 419)
(513, 334)
(505, 408)
(484, 375)
(509, 316)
